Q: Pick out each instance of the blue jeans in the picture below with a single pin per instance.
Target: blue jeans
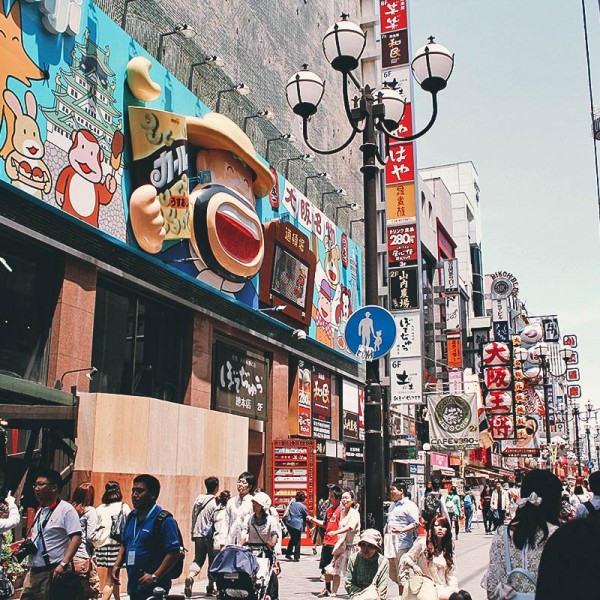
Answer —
(468, 518)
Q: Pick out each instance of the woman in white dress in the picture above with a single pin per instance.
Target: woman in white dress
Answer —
(107, 548)
(347, 531)
(433, 557)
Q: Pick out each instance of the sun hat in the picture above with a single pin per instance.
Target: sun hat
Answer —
(371, 536)
(218, 132)
(262, 499)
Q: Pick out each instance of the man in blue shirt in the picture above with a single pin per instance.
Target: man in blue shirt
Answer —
(149, 558)
(403, 524)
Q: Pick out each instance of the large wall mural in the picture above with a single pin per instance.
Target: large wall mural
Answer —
(190, 190)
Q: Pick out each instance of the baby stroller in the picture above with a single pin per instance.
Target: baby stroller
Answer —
(239, 573)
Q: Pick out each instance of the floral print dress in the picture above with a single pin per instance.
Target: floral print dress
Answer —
(528, 559)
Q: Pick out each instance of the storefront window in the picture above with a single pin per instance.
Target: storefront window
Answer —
(31, 276)
(141, 346)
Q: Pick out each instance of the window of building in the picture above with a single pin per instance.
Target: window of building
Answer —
(141, 346)
(31, 277)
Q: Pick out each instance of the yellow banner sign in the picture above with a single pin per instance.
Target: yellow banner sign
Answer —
(400, 203)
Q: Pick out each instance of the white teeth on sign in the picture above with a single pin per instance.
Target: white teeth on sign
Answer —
(240, 218)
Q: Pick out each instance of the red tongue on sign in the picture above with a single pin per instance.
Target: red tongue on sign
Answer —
(32, 150)
(85, 168)
(236, 238)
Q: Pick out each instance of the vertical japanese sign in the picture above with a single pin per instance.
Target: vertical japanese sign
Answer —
(402, 213)
(321, 404)
(304, 400)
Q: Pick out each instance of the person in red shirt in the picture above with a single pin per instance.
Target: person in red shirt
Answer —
(331, 521)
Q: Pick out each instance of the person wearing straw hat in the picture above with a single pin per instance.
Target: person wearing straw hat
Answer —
(367, 574)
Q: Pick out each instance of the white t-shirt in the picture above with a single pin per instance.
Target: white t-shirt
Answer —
(58, 530)
(238, 511)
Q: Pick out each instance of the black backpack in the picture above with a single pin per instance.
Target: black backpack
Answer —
(432, 507)
(177, 568)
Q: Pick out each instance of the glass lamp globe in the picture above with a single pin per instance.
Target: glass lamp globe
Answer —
(432, 66)
(343, 45)
(304, 91)
(394, 104)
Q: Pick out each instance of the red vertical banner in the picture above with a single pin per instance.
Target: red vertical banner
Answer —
(392, 15)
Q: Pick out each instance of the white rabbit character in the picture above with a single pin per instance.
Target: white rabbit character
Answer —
(24, 165)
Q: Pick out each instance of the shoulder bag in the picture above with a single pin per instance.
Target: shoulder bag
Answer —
(420, 587)
(505, 591)
(369, 593)
(117, 526)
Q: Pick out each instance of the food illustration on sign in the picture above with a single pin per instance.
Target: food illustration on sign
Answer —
(24, 165)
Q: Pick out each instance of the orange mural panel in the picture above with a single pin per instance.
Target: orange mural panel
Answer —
(400, 203)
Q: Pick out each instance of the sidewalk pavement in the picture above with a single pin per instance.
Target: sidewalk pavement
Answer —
(302, 579)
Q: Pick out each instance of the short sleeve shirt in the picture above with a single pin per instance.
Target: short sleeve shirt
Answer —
(57, 532)
(333, 520)
(148, 554)
(401, 515)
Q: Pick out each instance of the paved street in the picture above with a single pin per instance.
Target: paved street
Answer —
(301, 580)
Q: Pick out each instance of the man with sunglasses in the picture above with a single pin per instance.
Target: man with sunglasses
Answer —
(56, 535)
(239, 508)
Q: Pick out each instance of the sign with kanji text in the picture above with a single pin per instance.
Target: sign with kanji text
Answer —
(550, 327)
(400, 203)
(403, 288)
(497, 378)
(574, 391)
(501, 427)
(500, 309)
(452, 312)
(392, 15)
(394, 48)
(454, 349)
(402, 245)
(406, 381)
(501, 331)
(499, 402)
(455, 381)
(240, 382)
(570, 340)
(408, 335)
(400, 167)
(496, 353)
(450, 266)
(572, 374)
(574, 358)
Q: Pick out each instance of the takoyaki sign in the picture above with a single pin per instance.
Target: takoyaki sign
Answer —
(186, 186)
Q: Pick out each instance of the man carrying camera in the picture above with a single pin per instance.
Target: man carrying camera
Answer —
(52, 542)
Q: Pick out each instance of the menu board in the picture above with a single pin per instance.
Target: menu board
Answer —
(294, 470)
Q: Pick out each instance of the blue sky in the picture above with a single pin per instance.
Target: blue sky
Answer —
(517, 106)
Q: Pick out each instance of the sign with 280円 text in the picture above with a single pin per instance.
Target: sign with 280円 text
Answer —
(240, 382)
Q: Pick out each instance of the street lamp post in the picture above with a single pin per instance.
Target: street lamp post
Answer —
(577, 442)
(373, 113)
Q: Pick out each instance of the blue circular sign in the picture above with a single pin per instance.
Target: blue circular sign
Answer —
(370, 332)
(590, 464)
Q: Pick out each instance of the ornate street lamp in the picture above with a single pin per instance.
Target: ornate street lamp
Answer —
(372, 112)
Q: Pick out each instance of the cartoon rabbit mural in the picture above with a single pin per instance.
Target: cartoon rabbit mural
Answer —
(24, 165)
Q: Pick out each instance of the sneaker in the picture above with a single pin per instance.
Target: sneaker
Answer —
(211, 591)
(323, 594)
(187, 589)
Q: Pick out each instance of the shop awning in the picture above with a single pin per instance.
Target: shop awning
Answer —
(25, 404)
(444, 471)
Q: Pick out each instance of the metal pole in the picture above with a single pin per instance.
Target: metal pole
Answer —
(587, 432)
(546, 411)
(374, 467)
(577, 449)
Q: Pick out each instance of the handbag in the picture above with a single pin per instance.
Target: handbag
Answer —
(389, 547)
(504, 590)
(117, 525)
(81, 566)
(420, 587)
(316, 535)
(369, 593)
(340, 547)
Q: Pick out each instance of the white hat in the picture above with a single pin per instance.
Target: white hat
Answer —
(262, 499)
(371, 536)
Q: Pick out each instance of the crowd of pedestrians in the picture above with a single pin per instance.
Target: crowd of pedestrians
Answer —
(76, 550)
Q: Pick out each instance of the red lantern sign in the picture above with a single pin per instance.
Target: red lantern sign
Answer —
(496, 353)
(574, 391)
(502, 427)
(498, 402)
(497, 378)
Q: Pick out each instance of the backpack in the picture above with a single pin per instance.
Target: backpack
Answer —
(177, 568)
(431, 507)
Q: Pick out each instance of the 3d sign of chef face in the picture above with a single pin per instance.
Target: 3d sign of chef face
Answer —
(226, 234)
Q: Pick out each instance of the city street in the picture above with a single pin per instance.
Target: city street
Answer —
(301, 580)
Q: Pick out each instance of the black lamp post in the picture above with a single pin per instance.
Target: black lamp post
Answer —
(373, 113)
(577, 441)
